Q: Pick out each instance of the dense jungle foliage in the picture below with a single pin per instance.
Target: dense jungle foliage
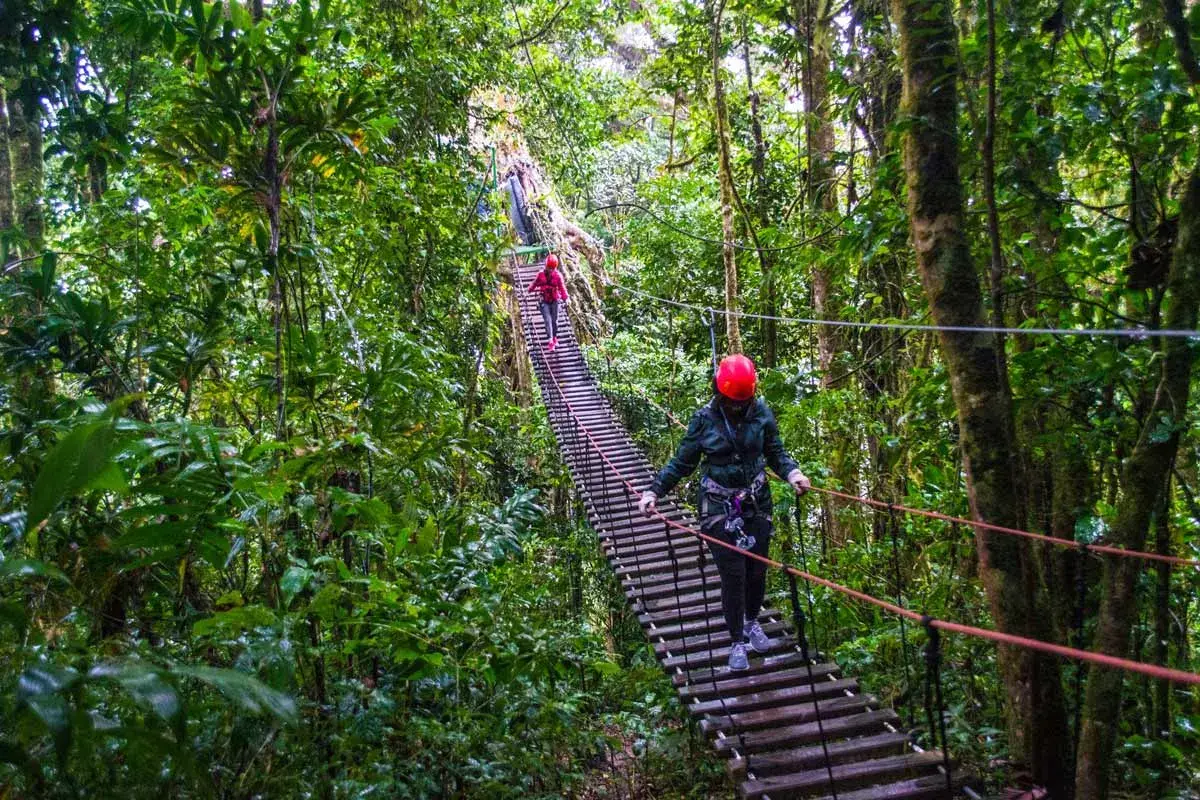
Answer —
(283, 517)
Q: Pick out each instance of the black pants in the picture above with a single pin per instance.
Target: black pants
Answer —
(550, 317)
(743, 580)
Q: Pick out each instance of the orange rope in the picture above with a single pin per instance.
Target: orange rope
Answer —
(1100, 659)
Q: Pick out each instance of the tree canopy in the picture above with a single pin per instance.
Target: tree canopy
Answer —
(281, 515)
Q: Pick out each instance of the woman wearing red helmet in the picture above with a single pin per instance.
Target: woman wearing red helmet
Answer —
(735, 438)
(550, 287)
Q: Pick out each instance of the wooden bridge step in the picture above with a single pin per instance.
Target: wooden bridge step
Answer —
(685, 613)
(852, 724)
(668, 627)
(782, 762)
(761, 701)
(771, 680)
(705, 641)
(758, 666)
(855, 775)
(681, 601)
(798, 712)
(930, 787)
(657, 566)
(668, 578)
(720, 656)
(653, 591)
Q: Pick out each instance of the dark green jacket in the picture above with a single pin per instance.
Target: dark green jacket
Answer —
(707, 440)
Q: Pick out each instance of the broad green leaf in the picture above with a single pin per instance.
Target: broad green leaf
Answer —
(41, 690)
(294, 580)
(235, 620)
(80, 457)
(27, 568)
(162, 534)
(148, 688)
(247, 692)
(57, 476)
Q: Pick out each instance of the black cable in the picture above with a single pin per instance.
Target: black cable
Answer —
(710, 320)
(893, 526)
(804, 566)
(1080, 601)
(933, 675)
(798, 617)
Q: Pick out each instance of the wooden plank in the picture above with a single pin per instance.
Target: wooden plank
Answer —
(800, 733)
(774, 698)
(705, 641)
(704, 677)
(668, 627)
(813, 756)
(930, 787)
(719, 656)
(772, 680)
(666, 578)
(795, 714)
(854, 775)
(685, 613)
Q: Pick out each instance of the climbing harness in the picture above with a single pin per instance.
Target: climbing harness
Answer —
(736, 505)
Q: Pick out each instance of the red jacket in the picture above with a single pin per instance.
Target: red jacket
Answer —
(549, 284)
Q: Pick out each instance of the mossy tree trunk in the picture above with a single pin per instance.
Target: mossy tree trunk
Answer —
(760, 208)
(25, 143)
(7, 209)
(1036, 715)
(733, 330)
(1143, 483)
(813, 29)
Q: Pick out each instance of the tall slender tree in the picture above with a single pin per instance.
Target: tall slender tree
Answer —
(928, 46)
(716, 9)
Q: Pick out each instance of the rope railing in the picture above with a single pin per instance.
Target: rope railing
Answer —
(998, 637)
(1106, 549)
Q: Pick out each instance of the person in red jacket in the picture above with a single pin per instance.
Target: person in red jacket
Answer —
(549, 286)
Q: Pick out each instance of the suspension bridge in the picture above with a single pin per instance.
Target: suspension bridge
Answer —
(792, 725)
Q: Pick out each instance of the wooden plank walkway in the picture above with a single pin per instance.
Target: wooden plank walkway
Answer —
(763, 720)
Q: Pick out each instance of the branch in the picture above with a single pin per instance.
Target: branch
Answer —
(533, 37)
(679, 164)
(1173, 11)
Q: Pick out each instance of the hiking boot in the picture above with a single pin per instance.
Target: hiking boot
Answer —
(737, 657)
(550, 345)
(755, 635)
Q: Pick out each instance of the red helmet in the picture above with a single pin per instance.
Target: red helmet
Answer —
(552, 261)
(736, 377)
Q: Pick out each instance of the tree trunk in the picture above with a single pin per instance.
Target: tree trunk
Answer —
(25, 141)
(1037, 722)
(813, 30)
(274, 180)
(996, 264)
(1143, 482)
(760, 206)
(7, 209)
(1162, 618)
(733, 330)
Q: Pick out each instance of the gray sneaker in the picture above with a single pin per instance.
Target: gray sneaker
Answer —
(758, 639)
(737, 657)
